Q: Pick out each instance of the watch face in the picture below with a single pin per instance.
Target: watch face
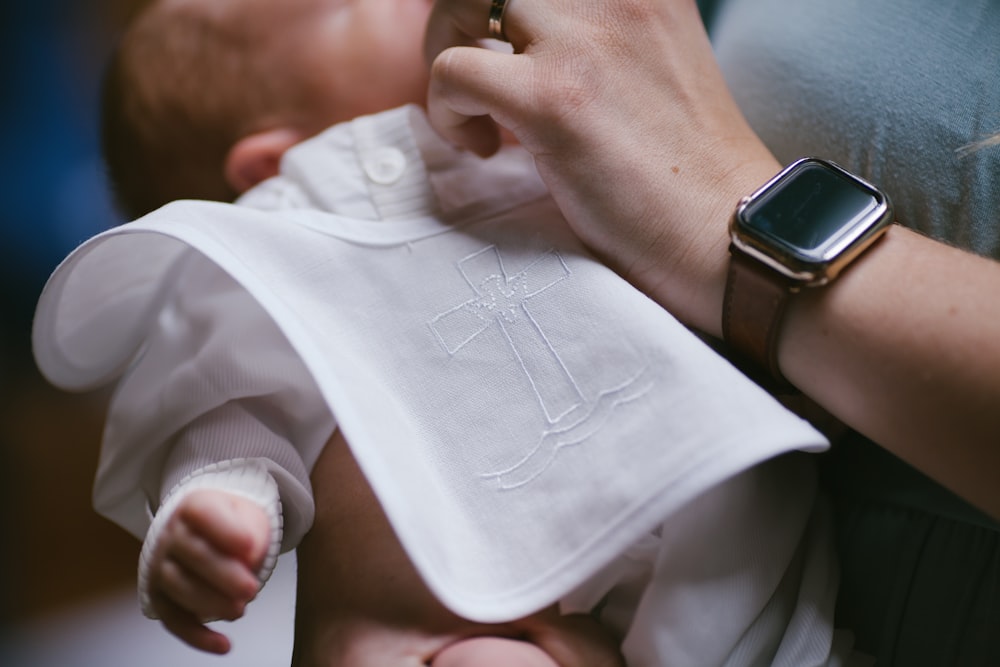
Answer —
(808, 216)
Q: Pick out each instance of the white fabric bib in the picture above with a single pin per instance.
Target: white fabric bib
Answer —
(522, 413)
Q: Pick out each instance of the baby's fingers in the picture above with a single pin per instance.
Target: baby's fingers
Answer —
(186, 627)
(198, 559)
(224, 597)
(234, 525)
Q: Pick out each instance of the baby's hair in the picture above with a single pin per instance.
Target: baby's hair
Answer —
(184, 83)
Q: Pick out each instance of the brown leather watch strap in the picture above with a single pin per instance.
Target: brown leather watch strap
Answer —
(752, 310)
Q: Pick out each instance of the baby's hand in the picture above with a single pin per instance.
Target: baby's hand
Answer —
(493, 652)
(205, 565)
(548, 640)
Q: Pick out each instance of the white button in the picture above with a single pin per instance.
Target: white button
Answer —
(385, 165)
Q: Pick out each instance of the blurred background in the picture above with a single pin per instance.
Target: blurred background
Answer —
(67, 576)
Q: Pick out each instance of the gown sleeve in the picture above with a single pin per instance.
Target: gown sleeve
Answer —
(215, 381)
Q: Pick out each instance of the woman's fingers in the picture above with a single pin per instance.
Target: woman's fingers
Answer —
(525, 23)
(455, 23)
(466, 84)
(478, 83)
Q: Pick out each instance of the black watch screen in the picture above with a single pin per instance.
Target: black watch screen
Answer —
(812, 211)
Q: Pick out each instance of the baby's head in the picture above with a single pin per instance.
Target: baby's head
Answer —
(202, 97)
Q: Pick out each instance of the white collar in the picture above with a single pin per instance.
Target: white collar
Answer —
(392, 166)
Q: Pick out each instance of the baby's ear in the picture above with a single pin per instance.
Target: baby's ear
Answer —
(256, 157)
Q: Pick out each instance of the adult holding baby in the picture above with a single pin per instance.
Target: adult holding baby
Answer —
(636, 129)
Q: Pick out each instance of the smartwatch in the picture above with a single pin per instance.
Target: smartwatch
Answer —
(799, 230)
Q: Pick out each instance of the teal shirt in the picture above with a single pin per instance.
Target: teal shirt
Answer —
(894, 90)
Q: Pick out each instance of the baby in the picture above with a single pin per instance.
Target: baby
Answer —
(308, 369)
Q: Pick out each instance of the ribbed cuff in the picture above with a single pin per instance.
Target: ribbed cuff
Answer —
(248, 478)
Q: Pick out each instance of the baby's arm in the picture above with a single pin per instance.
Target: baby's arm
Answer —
(213, 542)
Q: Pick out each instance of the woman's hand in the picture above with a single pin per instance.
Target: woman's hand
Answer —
(630, 122)
(642, 146)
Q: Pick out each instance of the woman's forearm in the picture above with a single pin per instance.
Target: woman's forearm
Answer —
(648, 168)
(905, 348)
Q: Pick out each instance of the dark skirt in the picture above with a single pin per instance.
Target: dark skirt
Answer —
(920, 568)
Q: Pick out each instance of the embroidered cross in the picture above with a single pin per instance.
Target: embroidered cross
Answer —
(502, 299)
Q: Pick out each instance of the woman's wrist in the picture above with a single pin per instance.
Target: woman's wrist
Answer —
(686, 272)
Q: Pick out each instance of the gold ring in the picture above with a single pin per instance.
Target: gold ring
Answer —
(497, 8)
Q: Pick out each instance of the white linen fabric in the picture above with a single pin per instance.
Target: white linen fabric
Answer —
(523, 414)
